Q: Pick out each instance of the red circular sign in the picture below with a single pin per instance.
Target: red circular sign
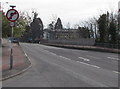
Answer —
(12, 15)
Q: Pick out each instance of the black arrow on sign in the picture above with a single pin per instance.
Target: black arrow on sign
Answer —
(11, 15)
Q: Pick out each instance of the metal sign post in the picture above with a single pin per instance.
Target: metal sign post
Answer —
(12, 15)
(11, 54)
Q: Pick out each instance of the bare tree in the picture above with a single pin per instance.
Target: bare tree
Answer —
(68, 25)
(53, 19)
(76, 26)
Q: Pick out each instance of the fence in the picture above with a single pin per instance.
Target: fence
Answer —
(108, 45)
(83, 42)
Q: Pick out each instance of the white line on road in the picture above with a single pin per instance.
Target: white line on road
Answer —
(81, 62)
(93, 57)
(52, 53)
(65, 57)
(116, 72)
(25, 54)
(85, 59)
(89, 65)
(113, 58)
(77, 61)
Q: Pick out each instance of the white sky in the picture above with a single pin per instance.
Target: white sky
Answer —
(72, 11)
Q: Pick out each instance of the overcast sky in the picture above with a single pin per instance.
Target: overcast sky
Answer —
(72, 11)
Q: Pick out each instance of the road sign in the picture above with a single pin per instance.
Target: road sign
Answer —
(12, 15)
(12, 24)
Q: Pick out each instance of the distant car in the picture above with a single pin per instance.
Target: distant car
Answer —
(30, 40)
(14, 39)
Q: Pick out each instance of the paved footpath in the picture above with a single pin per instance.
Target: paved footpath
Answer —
(20, 61)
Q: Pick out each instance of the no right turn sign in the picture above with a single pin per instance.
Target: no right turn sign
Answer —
(12, 15)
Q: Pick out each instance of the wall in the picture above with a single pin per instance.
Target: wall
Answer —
(82, 41)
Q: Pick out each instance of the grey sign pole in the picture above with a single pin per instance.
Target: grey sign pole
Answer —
(11, 53)
(12, 15)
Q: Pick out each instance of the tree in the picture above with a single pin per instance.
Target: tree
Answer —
(118, 36)
(36, 27)
(83, 32)
(19, 27)
(53, 19)
(112, 31)
(6, 29)
(68, 25)
(90, 26)
(58, 24)
(51, 26)
(93, 26)
(27, 34)
(102, 25)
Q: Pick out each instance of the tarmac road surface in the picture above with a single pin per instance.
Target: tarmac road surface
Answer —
(59, 67)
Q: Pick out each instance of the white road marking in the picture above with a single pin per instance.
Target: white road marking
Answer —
(89, 65)
(93, 57)
(81, 62)
(85, 59)
(116, 72)
(65, 57)
(25, 54)
(113, 58)
(52, 53)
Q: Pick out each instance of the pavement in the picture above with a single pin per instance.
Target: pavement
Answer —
(61, 67)
(21, 61)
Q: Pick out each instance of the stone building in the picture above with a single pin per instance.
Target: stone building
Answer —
(65, 34)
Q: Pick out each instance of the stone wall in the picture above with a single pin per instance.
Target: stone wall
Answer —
(82, 41)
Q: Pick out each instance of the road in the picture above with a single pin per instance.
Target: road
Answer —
(59, 67)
